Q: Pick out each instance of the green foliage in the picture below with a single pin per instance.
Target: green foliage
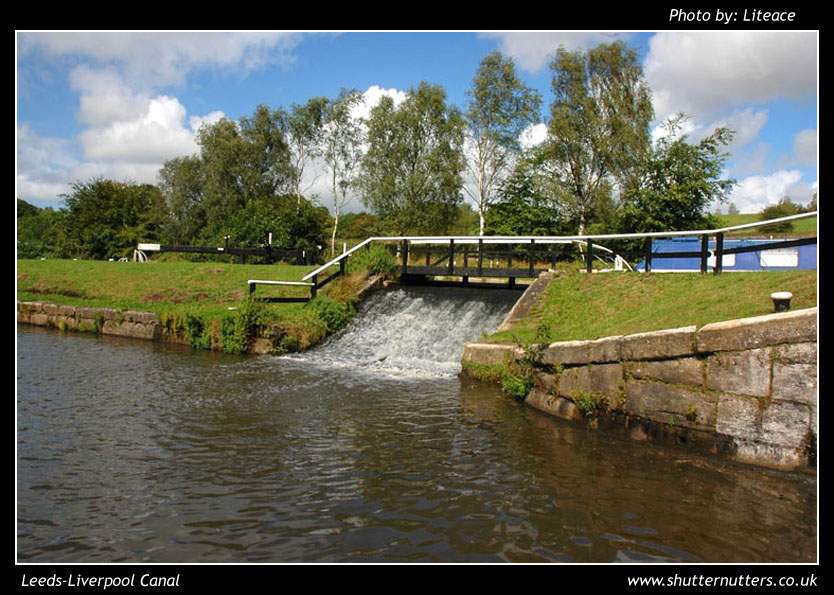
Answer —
(524, 207)
(500, 107)
(358, 226)
(784, 208)
(411, 172)
(680, 182)
(335, 314)
(517, 387)
(106, 219)
(599, 126)
(237, 330)
(591, 404)
(24, 209)
(376, 260)
(41, 233)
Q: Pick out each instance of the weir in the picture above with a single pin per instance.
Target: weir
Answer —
(413, 331)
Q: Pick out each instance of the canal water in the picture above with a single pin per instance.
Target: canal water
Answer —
(368, 448)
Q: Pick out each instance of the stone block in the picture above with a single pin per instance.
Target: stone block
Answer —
(89, 313)
(742, 372)
(554, 405)
(795, 382)
(796, 353)
(738, 416)
(566, 353)
(659, 344)
(603, 379)
(487, 353)
(606, 349)
(668, 403)
(143, 317)
(134, 330)
(687, 370)
(39, 319)
(797, 326)
(786, 424)
(769, 455)
(546, 382)
(68, 311)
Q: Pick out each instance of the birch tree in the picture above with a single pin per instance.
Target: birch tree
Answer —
(500, 107)
(598, 133)
(304, 137)
(342, 141)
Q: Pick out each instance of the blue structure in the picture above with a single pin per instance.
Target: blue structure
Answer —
(786, 259)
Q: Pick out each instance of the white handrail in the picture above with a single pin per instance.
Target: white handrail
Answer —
(577, 238)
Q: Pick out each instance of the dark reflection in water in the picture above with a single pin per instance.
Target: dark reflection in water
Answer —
(130, 451)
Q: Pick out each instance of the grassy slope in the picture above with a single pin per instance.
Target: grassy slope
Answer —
(802, 227)
(207, 288)
(579, 306)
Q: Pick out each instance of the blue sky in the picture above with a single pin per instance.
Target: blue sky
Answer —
(120, 104)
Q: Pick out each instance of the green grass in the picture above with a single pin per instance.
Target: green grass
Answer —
(801, 227)
(208, 287)
(201, 295)
(581, 306)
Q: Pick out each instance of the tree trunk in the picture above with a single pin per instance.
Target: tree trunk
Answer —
(483, 220)
(333, 236)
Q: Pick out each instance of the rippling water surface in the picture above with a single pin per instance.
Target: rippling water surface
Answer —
(134, 451)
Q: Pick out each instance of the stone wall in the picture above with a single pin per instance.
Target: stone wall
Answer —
(747, 387)
(107, 321)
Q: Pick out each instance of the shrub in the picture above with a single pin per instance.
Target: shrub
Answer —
(516, 386)
(377, 260)
(236, 330)
(333, 313)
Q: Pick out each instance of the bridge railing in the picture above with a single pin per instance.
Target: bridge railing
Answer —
(590, 244)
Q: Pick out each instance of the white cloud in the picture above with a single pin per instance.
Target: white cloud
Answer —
(534, 134)
(197, 122)
(746, 123)
(756, 192)
(372, 96)
(532, 49)
(155, 136)
(705, 73)
(43, 165)
(151, 59)
(805, 147)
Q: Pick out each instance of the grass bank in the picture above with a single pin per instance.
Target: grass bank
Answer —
(202, 303)
(580, 306)
(801, 227)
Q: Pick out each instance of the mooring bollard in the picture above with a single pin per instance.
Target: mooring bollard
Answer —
(781, 300)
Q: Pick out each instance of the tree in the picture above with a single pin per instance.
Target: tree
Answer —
(305, 127)
(342, 150)
(525, 207)
(784, 208)
(411, 172)
(182, 181)
(25, 209)
(41, 232)
(599, 127)
(242, 161)
(107, 219)
(500, 107)
(678, 183)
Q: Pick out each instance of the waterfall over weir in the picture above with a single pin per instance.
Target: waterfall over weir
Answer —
(414, 331)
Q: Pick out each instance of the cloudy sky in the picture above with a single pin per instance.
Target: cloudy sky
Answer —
(119, 104)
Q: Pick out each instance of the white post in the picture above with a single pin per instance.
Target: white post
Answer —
(344, 247)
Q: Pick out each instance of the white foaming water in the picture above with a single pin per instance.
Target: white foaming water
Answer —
(414, 332)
